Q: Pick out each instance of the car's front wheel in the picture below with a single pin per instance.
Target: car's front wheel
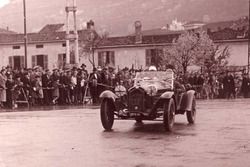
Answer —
(191, 115)
(169, 114)
(138, 120)
(107, 114)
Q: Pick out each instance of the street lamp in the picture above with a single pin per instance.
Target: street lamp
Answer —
(25, 34)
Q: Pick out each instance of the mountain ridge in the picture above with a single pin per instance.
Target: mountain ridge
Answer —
(117, 17)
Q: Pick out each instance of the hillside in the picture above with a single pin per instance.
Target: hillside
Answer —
(118, 17)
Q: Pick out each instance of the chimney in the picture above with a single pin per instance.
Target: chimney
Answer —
(138, 32)
(90, 25)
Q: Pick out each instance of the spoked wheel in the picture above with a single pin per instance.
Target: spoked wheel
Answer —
(191, 115)
(169, 114)
(107, 114)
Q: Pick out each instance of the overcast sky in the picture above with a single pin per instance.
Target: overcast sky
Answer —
(118, 16)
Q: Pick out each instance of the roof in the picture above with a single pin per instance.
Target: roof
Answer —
(194, 22)
(51, 28)
(42, 37)
(146, 40)
(233, 24)
(6, 31)
(222, 35)
(158, 31)
(218, 25)
(219, 32)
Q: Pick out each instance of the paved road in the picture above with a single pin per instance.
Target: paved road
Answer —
(75, 138)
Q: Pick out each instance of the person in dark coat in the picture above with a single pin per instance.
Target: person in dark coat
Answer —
(67, 86)
(37, 91)
(200, 84)
(10, 86)
(55, 91)
(229, 85)
(83, 68)
(27, 85)
(47, 84)
(104, 80)
(245, 86)
(93, 80)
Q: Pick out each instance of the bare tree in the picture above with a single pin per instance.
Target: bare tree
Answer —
(210, 56)
(88, 46)
(183, 52)
(196, 48)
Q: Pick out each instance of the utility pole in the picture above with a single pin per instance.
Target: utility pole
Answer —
(248, 64)
(248, 67)
(69, 36)
(25, 35)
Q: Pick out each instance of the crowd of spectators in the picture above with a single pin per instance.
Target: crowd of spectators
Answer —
(76, 85)
(59, 86)
(223, 85)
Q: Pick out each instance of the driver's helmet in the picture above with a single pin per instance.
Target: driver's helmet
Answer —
(152, 68)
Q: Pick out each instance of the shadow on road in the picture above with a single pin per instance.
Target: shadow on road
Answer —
(153, 130)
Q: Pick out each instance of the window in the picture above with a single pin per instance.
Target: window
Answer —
(64, 45)
(40, 60)
(39, 46)
(16, 62)
(72, 57)
(61, 60)
(154, 57)
(106, 58)
(16, 47)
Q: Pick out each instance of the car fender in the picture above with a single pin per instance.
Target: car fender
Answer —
(160, 102)
(109, 95)
(186, 101)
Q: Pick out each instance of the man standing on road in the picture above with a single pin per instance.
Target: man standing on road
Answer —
(245, 86)
(3, 79)
(229, 85)
(47, 83)
(93, 80)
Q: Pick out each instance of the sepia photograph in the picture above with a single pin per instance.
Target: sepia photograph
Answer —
(124, 83)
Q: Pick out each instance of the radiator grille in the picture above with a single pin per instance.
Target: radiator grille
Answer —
(136, 100)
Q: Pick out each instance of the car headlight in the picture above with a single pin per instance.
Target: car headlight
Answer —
(151, 90)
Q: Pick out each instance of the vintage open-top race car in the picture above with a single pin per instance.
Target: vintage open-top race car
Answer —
(154, 95)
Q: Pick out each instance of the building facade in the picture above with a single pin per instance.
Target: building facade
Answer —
(47, 48)
(126, 51)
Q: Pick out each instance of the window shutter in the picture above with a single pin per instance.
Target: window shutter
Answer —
(11, 61)
(107, 58)
(148, 57)
(72, 57)
(45, 61)
(104, 58)
(99, 58)
(22, 63)
(60, 61)
(33, 61)
(112, 58)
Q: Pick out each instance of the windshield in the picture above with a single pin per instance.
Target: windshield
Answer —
(160, 79)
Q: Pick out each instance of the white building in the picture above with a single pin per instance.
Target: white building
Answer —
(47, 48)
(127, 51)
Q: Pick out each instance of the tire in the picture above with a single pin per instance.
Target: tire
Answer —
(138, 120)
(107, 114)
(169, 114)
(191, 115)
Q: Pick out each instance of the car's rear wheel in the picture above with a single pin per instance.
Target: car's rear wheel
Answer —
(191, 115)
(169, 114)
(107, 114)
